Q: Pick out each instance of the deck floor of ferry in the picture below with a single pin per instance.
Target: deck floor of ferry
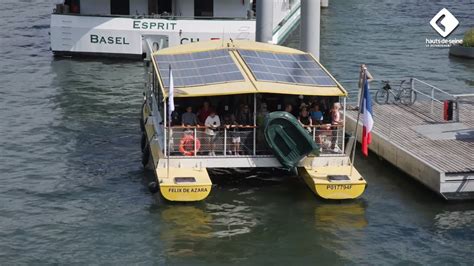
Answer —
(419, 130)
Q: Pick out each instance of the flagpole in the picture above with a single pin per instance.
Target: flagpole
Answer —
(361, 101)
(169, 123)
(169, 146)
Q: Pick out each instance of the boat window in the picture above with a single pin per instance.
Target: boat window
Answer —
(120, 7)
(164, 6)
(74, 6)
(204, 8)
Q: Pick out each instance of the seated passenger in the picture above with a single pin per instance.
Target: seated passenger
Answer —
(204, 112)
(289, 108)
(189, 118)
(212, 124)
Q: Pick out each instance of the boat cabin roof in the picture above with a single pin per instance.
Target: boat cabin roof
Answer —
(214, 68)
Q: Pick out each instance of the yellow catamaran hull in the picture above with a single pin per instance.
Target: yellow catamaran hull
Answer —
(318, 180)
(168, 179)
(186, 191)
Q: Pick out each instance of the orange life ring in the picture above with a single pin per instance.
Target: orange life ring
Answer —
(186, 145)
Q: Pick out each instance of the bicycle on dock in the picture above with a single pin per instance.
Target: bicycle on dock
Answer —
(404, 94)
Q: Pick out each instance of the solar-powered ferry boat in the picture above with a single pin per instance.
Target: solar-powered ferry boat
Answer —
(240, 79)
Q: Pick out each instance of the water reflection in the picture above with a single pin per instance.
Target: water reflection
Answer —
(346, 215)
(449, 220)
(182, 227)
(186, 228)
(231, 219)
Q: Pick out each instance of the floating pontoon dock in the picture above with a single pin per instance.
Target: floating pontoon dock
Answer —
(416, 139)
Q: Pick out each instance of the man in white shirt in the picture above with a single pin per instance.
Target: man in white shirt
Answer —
(212, 123)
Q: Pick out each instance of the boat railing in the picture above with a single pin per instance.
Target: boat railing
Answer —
(352, 86)
(437, 98)
(430, 100)
(285, 26)
(231, 140)
(236, 140)
(57, 11)
(330, 138)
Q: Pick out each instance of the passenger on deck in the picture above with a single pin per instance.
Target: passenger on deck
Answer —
(305, 119)
(303, 105)
(289, 108)
(325, 108)
(245, 116)
(212, 124)
(316, 114)
(189, 118)
(174, 118)
(174, 122)
(336, 121)
(204, 112)
(300, 103)
(232, 127)
(245, 119)
(261, 114)
(336, 114)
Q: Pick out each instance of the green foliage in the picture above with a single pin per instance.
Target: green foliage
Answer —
(468, 40)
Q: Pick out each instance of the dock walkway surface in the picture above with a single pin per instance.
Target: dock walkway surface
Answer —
(416, 139)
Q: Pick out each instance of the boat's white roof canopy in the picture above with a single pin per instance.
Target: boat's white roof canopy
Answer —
(214, 68)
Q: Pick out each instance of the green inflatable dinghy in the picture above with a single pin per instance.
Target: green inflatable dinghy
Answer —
(288, 139)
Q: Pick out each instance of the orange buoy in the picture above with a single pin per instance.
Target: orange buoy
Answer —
(186, 145)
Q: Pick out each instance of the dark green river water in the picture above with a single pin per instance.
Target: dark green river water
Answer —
(72, 188)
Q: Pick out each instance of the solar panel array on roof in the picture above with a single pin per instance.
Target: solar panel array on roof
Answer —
(288, 68)
(201, 68)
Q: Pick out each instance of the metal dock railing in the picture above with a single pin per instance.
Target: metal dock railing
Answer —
(419, 140)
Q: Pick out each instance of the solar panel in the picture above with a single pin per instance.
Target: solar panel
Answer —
(288, 68)
(200, 68)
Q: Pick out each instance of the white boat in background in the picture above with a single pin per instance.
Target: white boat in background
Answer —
(120, 27)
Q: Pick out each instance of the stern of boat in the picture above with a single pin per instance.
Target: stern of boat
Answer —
(184, 184)
(334, 181)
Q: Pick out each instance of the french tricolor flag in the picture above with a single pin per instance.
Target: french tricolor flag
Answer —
(367, 119)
